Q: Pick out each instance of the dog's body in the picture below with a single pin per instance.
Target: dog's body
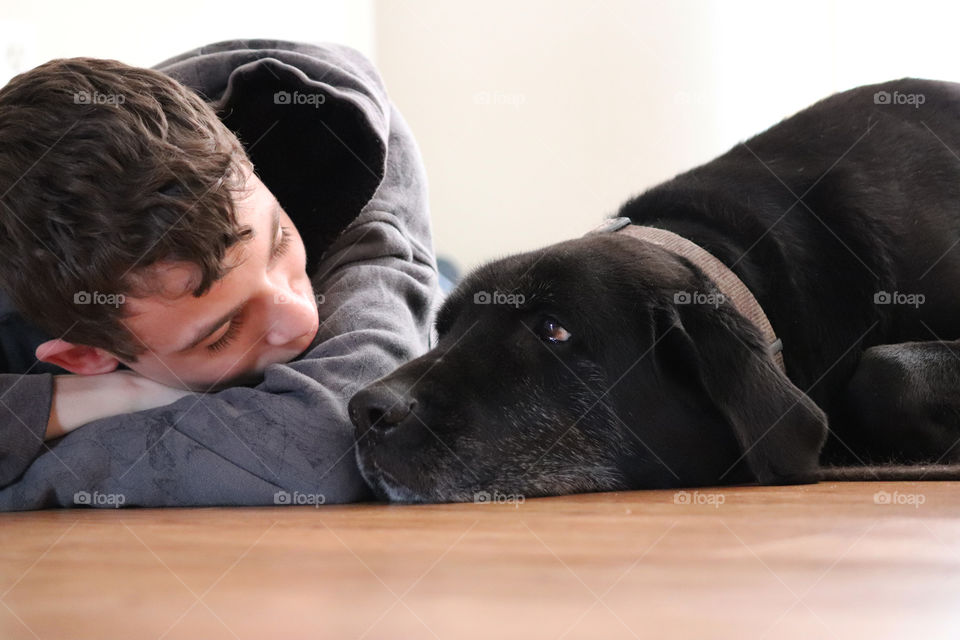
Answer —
(842, 220)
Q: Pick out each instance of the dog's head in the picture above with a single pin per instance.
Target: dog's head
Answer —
(595, 364)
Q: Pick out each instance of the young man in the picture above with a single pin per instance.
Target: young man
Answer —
(247, 220)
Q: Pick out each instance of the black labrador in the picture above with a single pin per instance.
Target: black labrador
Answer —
(584, 366)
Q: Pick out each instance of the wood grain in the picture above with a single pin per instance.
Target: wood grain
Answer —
(818, 561)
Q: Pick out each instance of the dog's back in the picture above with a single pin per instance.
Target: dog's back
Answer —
(842, 219)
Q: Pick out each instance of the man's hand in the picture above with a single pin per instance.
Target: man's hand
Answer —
(79, 399)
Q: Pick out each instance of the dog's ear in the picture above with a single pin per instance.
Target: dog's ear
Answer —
(779, 429)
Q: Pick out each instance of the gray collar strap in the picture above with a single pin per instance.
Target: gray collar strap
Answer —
(726, 280)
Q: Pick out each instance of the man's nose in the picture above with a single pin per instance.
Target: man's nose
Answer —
(379, 408)
(291, 317)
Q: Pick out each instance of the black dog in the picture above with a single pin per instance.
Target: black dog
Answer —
(608, 362)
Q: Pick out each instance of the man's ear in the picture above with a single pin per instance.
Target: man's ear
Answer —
(76, 358)
(780, 430)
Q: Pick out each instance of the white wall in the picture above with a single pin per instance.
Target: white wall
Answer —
(143, 34)
(536, 118)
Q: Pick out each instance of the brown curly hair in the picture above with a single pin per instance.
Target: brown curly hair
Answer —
(105, 170)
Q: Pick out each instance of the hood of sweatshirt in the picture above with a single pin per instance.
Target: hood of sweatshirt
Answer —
(314, 119)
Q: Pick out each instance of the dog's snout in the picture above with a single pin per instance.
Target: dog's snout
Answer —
(378, 408)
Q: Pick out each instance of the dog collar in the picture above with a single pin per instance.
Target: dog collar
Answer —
(726, 280)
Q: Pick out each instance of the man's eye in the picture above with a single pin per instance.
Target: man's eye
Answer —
(231, 333)
(283, 245)
(551, 330)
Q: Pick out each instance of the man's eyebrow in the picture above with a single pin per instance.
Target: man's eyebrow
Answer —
(210, 329)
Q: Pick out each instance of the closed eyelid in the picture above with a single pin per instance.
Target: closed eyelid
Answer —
(228, 336)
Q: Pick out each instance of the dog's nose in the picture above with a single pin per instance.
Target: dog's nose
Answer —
(377, 407)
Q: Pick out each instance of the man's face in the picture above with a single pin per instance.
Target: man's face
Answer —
(262, 311)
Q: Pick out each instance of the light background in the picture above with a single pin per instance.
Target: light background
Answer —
(537, 118)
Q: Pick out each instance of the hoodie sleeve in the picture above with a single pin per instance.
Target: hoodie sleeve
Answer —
(24, 410)
(287, 440)
(26, 391)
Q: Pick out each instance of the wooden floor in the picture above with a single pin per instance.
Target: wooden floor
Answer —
(847, 560)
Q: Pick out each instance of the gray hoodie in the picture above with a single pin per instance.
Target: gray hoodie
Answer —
(325, 139)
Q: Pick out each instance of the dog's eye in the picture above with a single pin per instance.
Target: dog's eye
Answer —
(552, 331)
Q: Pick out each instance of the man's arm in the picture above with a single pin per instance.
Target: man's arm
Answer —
(78, 400)
(24, 409)
(39, 407)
